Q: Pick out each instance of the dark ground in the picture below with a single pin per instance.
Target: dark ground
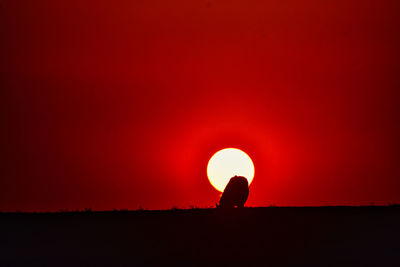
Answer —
(324, 236)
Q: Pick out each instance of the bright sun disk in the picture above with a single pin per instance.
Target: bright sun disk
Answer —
(227, 163)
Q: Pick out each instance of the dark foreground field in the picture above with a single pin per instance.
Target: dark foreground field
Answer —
(326, 236)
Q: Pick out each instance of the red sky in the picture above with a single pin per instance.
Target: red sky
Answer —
(120, 104)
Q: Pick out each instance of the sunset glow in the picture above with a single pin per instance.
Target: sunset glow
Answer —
(121, 104)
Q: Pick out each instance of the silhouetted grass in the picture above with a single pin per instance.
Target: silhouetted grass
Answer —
(252, 236)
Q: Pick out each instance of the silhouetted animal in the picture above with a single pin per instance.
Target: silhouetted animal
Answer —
(235, 193)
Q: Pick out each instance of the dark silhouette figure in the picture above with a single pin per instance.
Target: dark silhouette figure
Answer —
(235, 193)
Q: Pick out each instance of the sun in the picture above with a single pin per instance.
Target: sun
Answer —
(227, 163)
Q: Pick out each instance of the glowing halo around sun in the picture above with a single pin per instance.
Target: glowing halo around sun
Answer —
(227, 163)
